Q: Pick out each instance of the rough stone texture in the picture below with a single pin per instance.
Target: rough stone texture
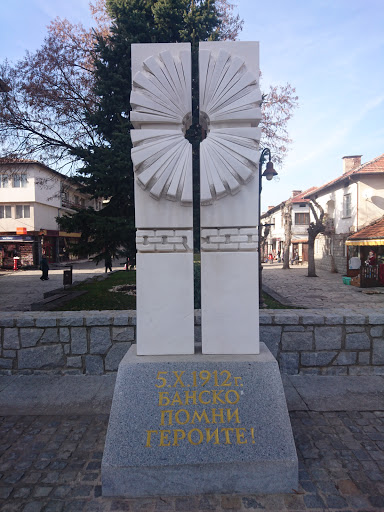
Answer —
(235, 460)
(378, 351)
(51, 335)
(317, 358)
(41, 357)
(340, 469)
(123, 333)
(290, 343)
(11, 338)
(346, 358)
(115, 355)
(100, 340)
(377, 331)
(327, 338)
(64, 335)
(30, 337)
(94, 365)
(74, 361)
(79, 340)
(289, 363)
(357, 341)
(45, 321)
(297, 340)
(271, 335)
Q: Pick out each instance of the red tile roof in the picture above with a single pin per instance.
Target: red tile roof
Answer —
(374, 230)
(300, 198)
(375, 166)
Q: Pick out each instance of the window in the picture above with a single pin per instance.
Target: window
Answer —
(19, 180)
(302, 219)
(82, 202)
(4, 181)
(5, 212)
(23, 211)
(347, 211)
(76, 199)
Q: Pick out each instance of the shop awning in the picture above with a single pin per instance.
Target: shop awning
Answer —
(375, 241)
(16, 238)
(69, 235)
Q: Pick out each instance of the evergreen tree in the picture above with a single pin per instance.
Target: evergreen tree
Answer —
(108, 171)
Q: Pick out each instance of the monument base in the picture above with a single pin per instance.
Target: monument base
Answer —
(198, 424)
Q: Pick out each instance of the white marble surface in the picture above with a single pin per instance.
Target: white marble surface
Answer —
(165, 313)
(229, 303)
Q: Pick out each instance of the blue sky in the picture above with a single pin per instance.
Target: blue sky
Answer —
(331, 51)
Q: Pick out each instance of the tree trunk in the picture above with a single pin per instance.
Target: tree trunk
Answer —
(287, 214)
(311, 255)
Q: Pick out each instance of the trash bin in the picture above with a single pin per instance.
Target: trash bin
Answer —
(67, 277)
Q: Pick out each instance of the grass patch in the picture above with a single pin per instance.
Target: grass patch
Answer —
(99, 296)
(272, 303)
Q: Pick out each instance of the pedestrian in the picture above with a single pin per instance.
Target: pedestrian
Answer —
(108, 262)
(270, 258)
(44, 267)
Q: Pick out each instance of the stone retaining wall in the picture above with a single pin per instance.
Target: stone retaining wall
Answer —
(92, 342)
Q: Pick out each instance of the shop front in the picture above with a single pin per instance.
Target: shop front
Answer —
(365, 256)
(18, 250)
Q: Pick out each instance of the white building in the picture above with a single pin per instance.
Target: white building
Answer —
(275, 219)
(351, 202)
(31, 197)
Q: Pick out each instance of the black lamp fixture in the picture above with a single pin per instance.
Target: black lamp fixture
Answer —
(269, 174)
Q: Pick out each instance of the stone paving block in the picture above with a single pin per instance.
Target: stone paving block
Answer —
(74, 361)
(78, 340)
(378, 351)
(295, 341)
(64, 335)
(94, 365)
(30, 337)
(49, 356)
(328, 338)
(115, 355)
(11, 338)
(45, 321)
(51, 335)
(331, 319)
(100, 340)
(123, 333)
(286, 319)
(376, 319)
(120, 320)
(356, 341)
(271, 335)
(346, 358)
(6, 322)
(72, 321)
(377, 331)
(98, 319)
(25, 321)
(312, 319)
(289, 363)
(355, 319)
(317, 358)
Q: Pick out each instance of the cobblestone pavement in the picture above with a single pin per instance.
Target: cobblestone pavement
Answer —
(325, 291)
(52, 464)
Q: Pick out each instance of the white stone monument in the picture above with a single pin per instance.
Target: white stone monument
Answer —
(161, 102)
(230, 113)
(217, 422)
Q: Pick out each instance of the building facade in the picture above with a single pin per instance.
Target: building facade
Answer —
(32, 196)
(350, 202)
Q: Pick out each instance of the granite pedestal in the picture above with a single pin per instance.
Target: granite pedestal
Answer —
(196, 424)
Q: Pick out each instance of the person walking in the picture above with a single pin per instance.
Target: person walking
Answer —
(108, 262)
(44, 267)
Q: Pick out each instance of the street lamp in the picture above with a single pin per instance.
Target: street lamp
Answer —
(269, 173)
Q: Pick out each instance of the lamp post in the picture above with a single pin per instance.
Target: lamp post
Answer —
(269, 173)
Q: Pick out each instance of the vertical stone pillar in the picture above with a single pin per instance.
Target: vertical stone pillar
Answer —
(230, 113)
(162, 159)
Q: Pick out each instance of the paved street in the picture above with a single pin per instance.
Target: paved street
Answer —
(18, 290)
(295, 288)
(50, 452)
